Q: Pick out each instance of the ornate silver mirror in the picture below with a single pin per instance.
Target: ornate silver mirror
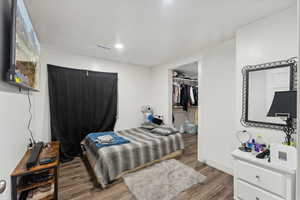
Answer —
(260, 82)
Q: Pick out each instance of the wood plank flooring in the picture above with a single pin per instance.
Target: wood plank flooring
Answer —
(75, 181)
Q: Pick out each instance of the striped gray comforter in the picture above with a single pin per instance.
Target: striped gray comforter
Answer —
(144, 147)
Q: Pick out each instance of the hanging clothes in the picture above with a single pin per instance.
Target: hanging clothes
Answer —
(176, 93)
(192, 95)
(185, 97)
(185, 93)
(195, 92)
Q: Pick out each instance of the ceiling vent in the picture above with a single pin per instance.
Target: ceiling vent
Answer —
(103, 47)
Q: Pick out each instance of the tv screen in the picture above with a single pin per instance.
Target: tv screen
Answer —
(25, 65)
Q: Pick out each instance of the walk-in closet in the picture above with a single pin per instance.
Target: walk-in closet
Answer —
(185, 98)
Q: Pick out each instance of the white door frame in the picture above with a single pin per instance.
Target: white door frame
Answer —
(298, 109)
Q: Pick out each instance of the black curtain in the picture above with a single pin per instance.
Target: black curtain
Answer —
(81, 102)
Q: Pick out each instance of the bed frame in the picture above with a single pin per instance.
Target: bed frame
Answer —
(89, 161)
(174, 155)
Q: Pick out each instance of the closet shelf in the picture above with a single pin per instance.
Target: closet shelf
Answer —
(32, 186)
(191, 82)
(185, 79)
(180, 107)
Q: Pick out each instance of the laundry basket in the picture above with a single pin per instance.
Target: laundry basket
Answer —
(189, 128)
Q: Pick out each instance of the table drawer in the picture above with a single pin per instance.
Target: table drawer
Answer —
(246, 191)
(261, 177)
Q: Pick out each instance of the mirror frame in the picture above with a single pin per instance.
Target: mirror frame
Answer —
(292, 63)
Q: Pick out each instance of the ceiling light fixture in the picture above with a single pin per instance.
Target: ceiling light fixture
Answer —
(168, 2)
(119, 46)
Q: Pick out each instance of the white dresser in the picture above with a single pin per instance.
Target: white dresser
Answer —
(258, 179)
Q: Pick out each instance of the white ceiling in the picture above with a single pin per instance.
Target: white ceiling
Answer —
(153, 31)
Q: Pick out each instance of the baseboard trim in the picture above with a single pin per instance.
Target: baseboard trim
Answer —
(218, 166)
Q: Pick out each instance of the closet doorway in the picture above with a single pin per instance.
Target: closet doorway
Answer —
(185, 98)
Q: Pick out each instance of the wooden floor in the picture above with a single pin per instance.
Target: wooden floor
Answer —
(75, 182)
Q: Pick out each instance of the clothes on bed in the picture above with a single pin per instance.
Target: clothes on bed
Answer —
(117, 140)
(154, 119)
(149, 117)
(157, 121)
(143, 148)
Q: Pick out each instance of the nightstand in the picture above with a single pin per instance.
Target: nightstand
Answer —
(258, 179)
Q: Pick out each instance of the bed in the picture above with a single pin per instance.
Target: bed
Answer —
(145, 148)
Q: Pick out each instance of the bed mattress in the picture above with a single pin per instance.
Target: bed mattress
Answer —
(144, 147)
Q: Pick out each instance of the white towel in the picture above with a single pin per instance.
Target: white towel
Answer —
(105, 139)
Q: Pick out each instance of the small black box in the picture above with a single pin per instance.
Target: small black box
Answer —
(34, 156)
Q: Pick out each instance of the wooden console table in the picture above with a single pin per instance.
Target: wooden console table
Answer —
(21, 171)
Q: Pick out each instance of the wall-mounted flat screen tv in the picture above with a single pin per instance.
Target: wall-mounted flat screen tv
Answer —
(25, 50)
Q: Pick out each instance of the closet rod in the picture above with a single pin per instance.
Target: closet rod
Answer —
(184, 79)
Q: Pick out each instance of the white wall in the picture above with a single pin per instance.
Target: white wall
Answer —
(270, 39)
(217, 106)
(134, 84)
(160, 79)
(13, 108)
(14, 136)
(216, 70)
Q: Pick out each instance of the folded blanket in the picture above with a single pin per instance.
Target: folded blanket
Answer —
(117, 140)
(164, 131)
(148, 125)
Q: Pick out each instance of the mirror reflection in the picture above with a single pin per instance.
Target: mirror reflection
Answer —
(262, 86)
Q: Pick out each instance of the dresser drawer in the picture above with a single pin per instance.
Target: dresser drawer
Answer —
(249, 192)
(261, 177)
